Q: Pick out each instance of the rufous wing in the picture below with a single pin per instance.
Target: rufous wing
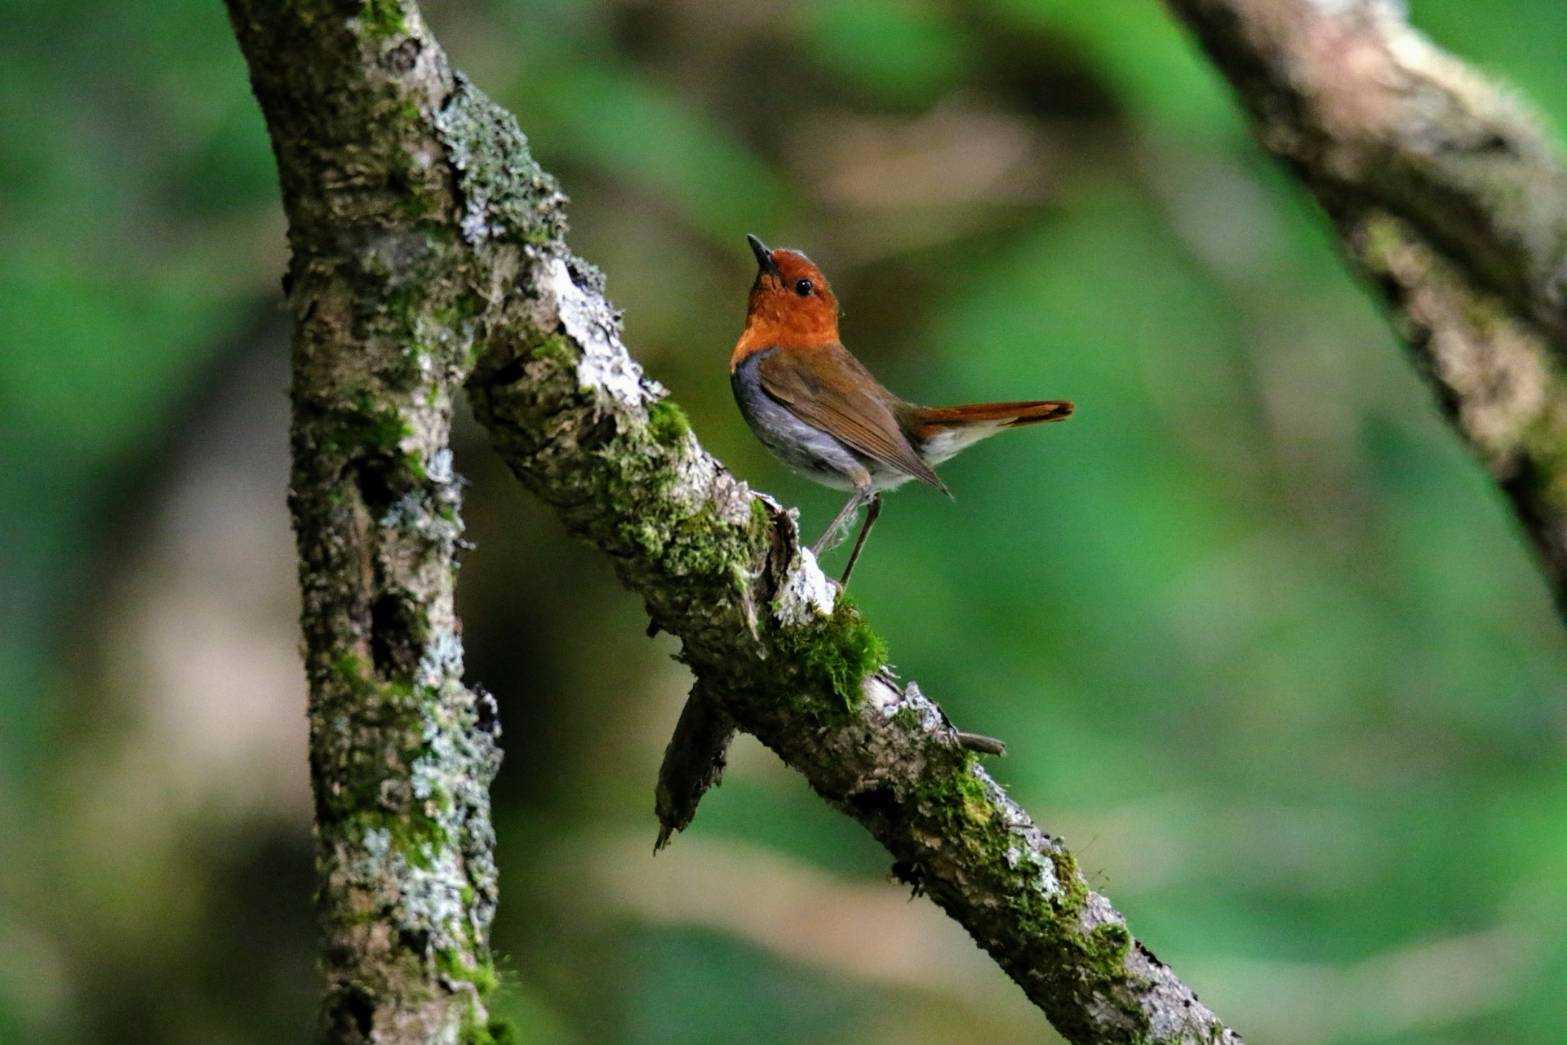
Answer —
(827, 387)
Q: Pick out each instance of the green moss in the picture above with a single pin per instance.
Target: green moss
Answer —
(638, 515)
(761, 518)
(977, 808)
(457, 313)
(1486, 314)
(1111, 941)
(668, 422)
(395, 708)
(697, 545)
(367, 426)
(955, 797)
(483, 975)
(416, 199)
(556, 349)
(416, 836)
(954, 805)
(846, 653)
(1066, 872)
(383, 17)
(1381, 242)
(494, 1031)
(835, 655)
(1545, 441)
(386, 703)
(350, 670)
(404, 304)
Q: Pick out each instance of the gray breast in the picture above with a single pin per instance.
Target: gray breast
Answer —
(801, 446)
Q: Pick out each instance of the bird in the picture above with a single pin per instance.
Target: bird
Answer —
(818, 409)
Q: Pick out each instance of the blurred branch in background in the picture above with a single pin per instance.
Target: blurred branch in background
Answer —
(1448, 196)
(425, 239)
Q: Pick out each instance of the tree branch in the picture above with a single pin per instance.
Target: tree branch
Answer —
(1448, 197)
(424, 237)
(722, 569)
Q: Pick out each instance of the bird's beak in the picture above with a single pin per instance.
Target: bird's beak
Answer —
(764, 257)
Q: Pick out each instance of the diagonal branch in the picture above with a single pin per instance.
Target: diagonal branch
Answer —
(1448, 196)
(722, 569)
(428, 249)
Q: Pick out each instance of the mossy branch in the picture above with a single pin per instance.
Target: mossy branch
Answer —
(428, 251)
(1448, 196)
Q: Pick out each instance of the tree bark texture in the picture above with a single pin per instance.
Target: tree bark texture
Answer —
(401, 752)
(1448, 197)
(428, 252)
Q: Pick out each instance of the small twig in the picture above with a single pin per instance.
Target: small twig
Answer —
(981, 743)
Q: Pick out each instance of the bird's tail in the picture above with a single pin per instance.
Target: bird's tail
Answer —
(941, 431)
(930, 421)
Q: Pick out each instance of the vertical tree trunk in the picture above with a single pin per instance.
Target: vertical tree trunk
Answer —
(401, 752)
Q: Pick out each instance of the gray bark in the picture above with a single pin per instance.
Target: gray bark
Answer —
(428, 251)
(1448, 197)
(382, 286)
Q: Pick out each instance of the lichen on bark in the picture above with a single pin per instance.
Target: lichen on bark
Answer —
(402, 752)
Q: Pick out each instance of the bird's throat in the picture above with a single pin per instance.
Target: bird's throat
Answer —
(793, 329)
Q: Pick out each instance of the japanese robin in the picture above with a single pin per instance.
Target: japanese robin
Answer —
(820, 411)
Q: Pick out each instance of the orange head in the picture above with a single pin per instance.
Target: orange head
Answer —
(791, 304)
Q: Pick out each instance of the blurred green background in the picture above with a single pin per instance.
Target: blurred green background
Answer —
(1266, 645)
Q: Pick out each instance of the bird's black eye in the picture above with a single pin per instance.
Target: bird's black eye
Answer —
(804, 287)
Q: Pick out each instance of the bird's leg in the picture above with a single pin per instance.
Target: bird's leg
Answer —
(859, 542)
(837, 530)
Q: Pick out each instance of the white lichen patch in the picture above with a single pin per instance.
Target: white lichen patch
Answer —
(605, 366)
(433, 900)
(881, 694)
(442, 659)
(806, 594)
(1044, 873)
(1028, 856)
(377, 843)
(914, 700)
(439, 466)
(700, 480)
